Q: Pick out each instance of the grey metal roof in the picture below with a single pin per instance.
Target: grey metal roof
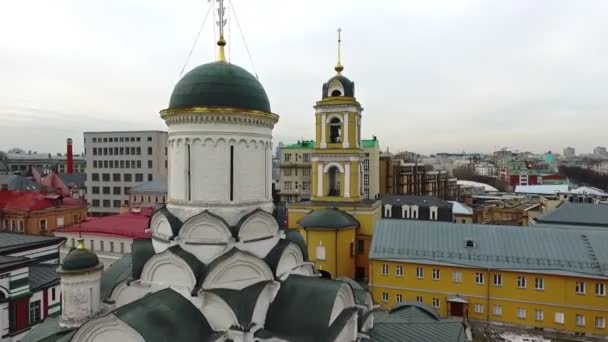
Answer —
(9, 241)
(76, 178)
(43, 276)
(116, 273)
(527, 249)
(584, 214)
(413, 322)
(421, 201)
(158, 185)
(19, 183)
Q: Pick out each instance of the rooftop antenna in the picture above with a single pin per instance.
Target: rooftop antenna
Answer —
(339, 66)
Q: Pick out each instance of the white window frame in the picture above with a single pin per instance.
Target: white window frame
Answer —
(385, 269)
(436, 275)
(600, 289)
(419, 273)
(560, 317)
(539, 315)
(521, 282)
(497, 276)
(521, 313)
(497, 310)
(457, 277)
(320, 252)
(60, 221)
(600, 322)
(478, 308)
(539, 283)
(399, 271)
(580, 320)
(479, 279)
(399, 297)
(581, 287)
(385, 297)
(434, 213)
(419, 299)
(436, 303)
(388, 210)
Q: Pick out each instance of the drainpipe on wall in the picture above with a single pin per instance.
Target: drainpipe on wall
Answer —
(488, 299)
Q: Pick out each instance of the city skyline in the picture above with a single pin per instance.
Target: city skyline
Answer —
(432, 77)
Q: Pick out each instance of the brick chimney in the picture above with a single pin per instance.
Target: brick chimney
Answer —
(70, 157)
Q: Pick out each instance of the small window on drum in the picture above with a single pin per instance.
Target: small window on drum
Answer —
(336, 92)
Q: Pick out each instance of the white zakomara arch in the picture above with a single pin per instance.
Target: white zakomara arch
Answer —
(291, 259)
(168, 270)
(237, 271)
(125, 292)
(334, 116)
(218, 313)
(258, 234)
(335, 85)
(107, 328)
(161, 232)
(344, 299)
(205, 236)
(333, 164)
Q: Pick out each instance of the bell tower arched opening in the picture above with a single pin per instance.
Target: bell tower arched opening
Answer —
(333, 177)
(335, 131)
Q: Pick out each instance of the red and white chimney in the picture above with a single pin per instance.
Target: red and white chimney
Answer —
(70, 157)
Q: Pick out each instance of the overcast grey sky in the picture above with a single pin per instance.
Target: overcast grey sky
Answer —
(432, 75)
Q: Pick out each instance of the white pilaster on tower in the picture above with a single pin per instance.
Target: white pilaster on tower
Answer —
(323, 142)
(345, 142)
(347, 179)
(320, 179)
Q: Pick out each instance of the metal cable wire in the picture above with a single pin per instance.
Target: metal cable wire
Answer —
(196, 40)
(238, 25)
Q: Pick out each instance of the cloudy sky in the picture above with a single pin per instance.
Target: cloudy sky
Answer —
(432, 75)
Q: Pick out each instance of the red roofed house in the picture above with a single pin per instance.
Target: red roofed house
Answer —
(37, 213)
(110, 237)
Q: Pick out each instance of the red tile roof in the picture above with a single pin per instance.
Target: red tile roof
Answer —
(129, 224)
(25, 200)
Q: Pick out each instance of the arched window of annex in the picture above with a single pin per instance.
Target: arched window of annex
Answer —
(335, 89)
(333, 171)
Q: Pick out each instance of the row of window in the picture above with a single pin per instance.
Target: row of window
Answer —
(18, 226)
(522, 281)
(116, 190)
(305, 157)
(288, 185)
(119, 151)
(287, 171)
(121, 164)
(600, 321)
(117, 177)
(107, 203)
(118, 139)
(101, 246)
(155, 199)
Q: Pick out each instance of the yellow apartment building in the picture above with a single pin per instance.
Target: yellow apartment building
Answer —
(546, 278)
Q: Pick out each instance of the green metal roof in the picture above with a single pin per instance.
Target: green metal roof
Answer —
(166, 316)
(49, 331)
(79, 259)
(302, 308)
(527, 249)
(328, 218)
(310, 144)
(583, 214)
(242, 302)
(117, 272)
(219, 84)
(143, 250)
(413, 322)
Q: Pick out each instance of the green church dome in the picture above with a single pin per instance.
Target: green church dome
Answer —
(79, 259)
(219, 84)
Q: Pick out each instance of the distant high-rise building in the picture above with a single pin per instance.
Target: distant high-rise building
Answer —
(119, 161)
(600, 152)
(569, 152)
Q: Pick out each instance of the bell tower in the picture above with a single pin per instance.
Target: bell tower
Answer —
(337, 162)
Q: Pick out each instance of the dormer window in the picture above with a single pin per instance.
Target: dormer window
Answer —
(470, 244)
(335, 89)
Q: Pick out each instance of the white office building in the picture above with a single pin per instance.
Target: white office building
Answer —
(119, 161)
